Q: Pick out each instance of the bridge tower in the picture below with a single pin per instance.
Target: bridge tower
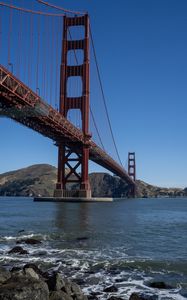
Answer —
(74, 157)
(132, 172)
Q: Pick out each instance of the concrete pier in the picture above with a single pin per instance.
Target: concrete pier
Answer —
(71, 199)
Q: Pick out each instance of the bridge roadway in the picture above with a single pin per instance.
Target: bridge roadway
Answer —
(20, 103)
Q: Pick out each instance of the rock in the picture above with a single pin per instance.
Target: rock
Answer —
(59, 295)
(33, 284)
(35, 268)
(30, 272)
(18, 250)
(79, 281)
(15, 269)
(4, 275)
(17, 272)
(55, 282)
(137, 296)
(159, 285)
(29, 241)
(67, 286)
(114, 298)
(24, 289)
(93, 280)
(92, 296)
(73, 290)
(111, 289)
(83, 238)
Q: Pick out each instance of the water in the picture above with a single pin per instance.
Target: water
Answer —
(128, 243)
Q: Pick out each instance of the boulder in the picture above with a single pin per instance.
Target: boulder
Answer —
(92, 297)
(73, 290)
(35, 268)
(114, 298)
(18, 250)
(139, 296)
(111, 289)
(31, 283)
(59, 295)
(29, 241)
(159, 285)
(55, 282)
(24, 289)
(4, 275)
(30, 272)
(136, 296)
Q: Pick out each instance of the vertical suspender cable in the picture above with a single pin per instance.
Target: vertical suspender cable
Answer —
(38, 58)
(103, 96)
(19, 43)
(1, 34)
(44, 59)
(10, 36)
(31, 49)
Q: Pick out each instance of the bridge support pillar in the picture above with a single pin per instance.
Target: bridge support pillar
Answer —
(73, 158)
(132, 174)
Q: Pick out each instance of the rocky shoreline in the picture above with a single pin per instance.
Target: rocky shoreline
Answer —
(30, 282)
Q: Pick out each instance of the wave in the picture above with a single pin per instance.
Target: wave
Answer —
(98, 268)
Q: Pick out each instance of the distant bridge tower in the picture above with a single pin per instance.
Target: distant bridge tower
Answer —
(132, 172)
(132, 165)
(74, 157)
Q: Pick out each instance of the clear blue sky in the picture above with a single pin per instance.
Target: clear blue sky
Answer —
(142, 51)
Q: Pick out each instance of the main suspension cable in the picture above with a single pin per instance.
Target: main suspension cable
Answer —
(30, 10)
(61, 8)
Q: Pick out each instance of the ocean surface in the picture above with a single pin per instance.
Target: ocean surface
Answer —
(128, 243)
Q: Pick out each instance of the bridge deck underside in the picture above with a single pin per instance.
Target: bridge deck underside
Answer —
(21, 104)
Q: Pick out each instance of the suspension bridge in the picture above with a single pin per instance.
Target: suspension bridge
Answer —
(47, 51)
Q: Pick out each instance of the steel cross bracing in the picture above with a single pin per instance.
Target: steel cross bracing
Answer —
(21, 104)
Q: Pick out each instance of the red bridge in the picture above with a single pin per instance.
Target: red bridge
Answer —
(19, 101)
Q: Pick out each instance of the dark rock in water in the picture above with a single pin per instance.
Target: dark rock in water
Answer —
(119, 279)
(90, 272)
(79, 281)
(114, 298)
(137, 296)
(93, 280)
(83, 238)
(18, 250)
(4, 275)
(20, 231)
(29, 241)
(93, 295)
(111, 289)
(159, 285)
(24, 288)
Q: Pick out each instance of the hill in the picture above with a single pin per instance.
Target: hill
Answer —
(39, 180)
